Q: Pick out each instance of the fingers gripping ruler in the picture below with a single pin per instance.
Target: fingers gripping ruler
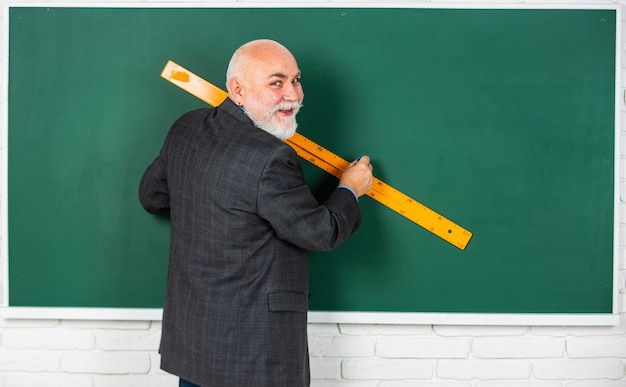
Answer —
(333, 164)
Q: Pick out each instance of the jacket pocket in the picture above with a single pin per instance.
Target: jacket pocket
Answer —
(288, 302)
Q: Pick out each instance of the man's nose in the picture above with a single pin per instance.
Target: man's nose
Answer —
(293, 93)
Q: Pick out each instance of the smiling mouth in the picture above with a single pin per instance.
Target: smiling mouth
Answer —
(287, 109)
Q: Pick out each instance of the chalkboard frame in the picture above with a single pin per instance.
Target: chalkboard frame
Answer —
(325, 317)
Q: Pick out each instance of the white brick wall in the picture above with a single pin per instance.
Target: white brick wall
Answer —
(124, 353)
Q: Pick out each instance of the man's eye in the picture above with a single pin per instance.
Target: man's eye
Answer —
(295, 80)
(277, 83)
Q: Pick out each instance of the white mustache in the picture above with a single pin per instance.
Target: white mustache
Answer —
(295, 106)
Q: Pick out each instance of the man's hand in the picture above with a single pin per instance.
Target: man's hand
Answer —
(358, 176)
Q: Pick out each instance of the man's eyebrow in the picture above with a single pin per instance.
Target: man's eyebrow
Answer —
(282, 75)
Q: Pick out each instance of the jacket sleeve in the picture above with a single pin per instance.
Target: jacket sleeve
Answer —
(287, 203)
(154, 193)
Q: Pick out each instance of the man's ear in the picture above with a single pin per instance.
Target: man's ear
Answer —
(236, 91)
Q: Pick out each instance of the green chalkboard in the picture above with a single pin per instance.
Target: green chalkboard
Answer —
(502, 120)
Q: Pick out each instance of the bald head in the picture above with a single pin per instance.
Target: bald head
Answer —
(252, 53)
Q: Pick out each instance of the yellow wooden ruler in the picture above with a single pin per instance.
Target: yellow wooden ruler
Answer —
(333, 164)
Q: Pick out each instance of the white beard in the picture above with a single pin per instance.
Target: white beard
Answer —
(283, 129)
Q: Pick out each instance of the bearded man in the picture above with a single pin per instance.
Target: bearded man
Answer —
(242, 224)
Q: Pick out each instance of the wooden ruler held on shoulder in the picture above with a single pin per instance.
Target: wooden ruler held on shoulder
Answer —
(333, 164)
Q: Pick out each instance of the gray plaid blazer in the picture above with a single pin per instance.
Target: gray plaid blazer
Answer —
(242, 223)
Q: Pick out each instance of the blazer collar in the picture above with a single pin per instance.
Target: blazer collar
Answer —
(229, 107)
